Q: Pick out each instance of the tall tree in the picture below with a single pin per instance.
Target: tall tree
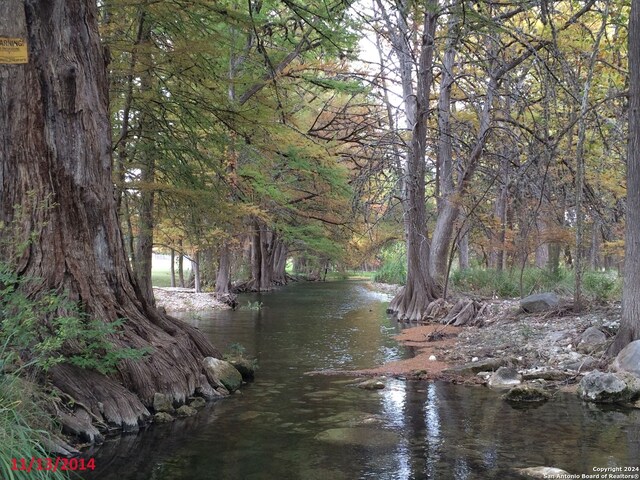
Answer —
(630, 324)
(57, 197)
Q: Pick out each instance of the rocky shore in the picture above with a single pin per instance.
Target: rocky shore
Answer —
(541, 348)
(174, 299)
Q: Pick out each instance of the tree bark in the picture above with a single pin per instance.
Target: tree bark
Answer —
(55, 159)
(420, 289)
(630, 323)
(223, 279)
(147, 166)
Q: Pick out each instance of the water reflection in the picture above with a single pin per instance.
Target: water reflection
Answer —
(288, 425)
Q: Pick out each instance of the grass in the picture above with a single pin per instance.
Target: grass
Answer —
(600, 287)
(351, 275)
(23, 427)
(161, 277)
(394, 265)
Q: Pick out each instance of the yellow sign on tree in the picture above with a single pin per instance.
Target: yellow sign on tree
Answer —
(13, 51)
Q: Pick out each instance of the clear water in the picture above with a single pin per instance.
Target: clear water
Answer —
(291, 425)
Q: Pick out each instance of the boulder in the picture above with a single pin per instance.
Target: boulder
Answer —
(539, 302)
(603, 387)
(505, 377)
(371, 384)
(163, 417)
(245, 366)
(628, 360)
(222, 372)
(542, 472)
(580, 363)
(196, 402)
(206, 391)
(591, 340)
(526, 393)
(162, 403)
(186, 411)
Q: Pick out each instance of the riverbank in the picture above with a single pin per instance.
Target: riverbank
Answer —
(557, 341)
(175, 299)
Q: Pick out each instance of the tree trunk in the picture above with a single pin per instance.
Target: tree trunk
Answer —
(180, 264)
(55, 159)
(630, 323)
(420, 290)
(147, 166)
(197, 279)
(173, 268)
(223, 279)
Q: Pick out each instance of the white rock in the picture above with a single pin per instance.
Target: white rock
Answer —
(475, 359)
(432, 358)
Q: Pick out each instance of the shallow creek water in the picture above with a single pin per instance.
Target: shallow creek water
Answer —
(291, 425)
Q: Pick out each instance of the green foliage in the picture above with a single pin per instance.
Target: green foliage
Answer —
(50, 328)
(252, 306)
(598, 286)
(394, 265)
(237, 350)
(602, 286)
(23, 428)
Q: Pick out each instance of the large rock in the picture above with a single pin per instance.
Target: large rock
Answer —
(539, 302)
(163, 417)
(505, 377)
(186, 411)
(371, 384)
(628, 360)
(162, 403)
(591, 340)
(602, 387)
(221, 371)
(526, 393)
(196, 402)
(245, 366)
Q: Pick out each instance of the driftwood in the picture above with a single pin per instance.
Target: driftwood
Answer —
(467, 312)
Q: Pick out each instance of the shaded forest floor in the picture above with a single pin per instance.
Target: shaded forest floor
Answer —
(548, 342)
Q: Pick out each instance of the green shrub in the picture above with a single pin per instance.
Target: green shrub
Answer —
(394, 265)
(602, 286)
(598, 286)
(24, 426)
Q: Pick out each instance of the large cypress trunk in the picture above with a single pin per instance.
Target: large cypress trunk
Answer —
(55, 167)
(630, 324)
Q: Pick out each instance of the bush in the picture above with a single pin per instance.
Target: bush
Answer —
(598, 286)
(24, 426)
(394, 265)
(602, 286)
(42, 329)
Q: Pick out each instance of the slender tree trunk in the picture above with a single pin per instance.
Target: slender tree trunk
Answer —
(173, 268)
(180, 264)
(197, 280)
(55, 159)
(420, 290)
(147, 166)
(630, 324)
(223, 279)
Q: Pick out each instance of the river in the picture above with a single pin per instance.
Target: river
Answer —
(288, 424)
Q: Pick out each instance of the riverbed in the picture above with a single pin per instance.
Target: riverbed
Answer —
(288, 424)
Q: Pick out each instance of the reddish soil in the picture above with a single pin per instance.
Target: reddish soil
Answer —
(427, 340)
